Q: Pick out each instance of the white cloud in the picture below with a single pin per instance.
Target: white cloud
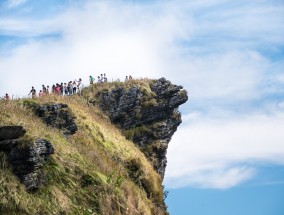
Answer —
(231, 75)
(15, 3)
(215, 178)
(212, 152)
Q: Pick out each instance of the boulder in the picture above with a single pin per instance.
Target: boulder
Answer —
(11, 132)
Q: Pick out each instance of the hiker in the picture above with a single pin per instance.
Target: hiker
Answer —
(126, 78)
(99, 79)
(74, 87)
(40, 94)
(79, 83)
(105, 78)
(43, 89)
(61, 89)
(47, 90)
(130, 77)
(57, 89)
(7, 97)
(33, 92)
(69, 87)
(65, 89)
(92, 79)
(53, 89)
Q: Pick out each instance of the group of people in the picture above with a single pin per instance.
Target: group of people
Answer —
(70, 88)
(64, 89)
(128, 78)
(101, 79)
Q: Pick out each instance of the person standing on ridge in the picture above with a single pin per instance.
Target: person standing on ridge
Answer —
(65, 89)
(33, 92)
(53, 89)
(40, 94)
(57, 89)
(47, 90)
(105, 78)
(43, 89)
(7, 97)
(126, 78)
(91, 79)
(74, 86)
(69, 87)
(61, 89)
(79, 83)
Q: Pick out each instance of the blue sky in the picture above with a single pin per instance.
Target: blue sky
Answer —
(228, 155)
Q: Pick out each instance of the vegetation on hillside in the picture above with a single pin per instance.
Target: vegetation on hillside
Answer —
(95, 171)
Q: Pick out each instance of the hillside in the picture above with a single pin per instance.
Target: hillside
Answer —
(103, 152)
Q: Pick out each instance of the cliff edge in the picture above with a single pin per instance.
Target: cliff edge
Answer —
(75, 154)
(147, 112)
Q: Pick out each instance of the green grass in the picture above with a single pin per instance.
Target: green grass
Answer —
(89, 173)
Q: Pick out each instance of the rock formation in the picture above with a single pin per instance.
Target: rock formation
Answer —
(9, 135)
(58, 116)
(148, 115)
(25, 155)
(27, 162)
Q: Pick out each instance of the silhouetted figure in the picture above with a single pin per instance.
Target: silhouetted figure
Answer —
(105, 78)
(126, 78)
(43, 89)
(33, 92)
(61, 89)
(130, 77)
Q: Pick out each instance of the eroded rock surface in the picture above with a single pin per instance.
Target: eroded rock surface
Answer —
(27, 162)
(26, 159)
(148, 116)
(58, 116)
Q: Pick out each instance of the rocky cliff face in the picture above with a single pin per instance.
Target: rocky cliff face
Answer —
(148, 115)
(26, 156)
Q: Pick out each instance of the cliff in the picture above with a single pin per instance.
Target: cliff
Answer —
(75, 154)
(148, 114)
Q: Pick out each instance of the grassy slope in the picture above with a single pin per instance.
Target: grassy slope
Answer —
(95, 171)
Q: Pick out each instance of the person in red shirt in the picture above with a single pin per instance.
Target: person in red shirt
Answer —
(7, 97)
